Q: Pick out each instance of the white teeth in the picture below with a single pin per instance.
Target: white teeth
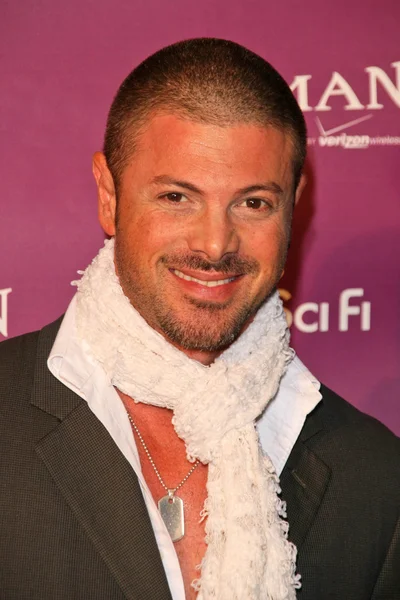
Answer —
(200, 281)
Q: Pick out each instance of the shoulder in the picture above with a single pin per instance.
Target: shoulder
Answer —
(16, 354)
(19, 355)
(353, 439)
(338, 413)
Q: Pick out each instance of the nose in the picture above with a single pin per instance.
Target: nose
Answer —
(213, 234)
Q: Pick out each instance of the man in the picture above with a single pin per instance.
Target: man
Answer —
(143, 433)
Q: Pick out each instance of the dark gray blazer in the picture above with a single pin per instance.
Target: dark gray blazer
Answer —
(73, 524)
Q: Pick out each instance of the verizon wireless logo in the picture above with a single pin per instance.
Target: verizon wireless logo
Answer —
(379, 89)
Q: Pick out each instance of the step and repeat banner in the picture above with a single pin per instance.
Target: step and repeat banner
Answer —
(61, 63)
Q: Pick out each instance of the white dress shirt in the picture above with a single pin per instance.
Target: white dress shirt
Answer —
(278, 427)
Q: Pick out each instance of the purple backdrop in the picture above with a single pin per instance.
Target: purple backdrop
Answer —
(61, 65)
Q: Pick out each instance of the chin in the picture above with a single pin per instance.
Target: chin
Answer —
(209, 332)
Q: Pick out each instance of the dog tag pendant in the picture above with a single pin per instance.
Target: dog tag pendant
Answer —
(171, 510)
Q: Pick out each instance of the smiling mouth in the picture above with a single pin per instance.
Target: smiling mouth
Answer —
(202, 281)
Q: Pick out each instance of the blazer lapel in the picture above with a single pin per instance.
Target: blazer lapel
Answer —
(98, 484)
(304, 481)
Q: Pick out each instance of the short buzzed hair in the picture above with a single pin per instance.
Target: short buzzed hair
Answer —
(207, 80)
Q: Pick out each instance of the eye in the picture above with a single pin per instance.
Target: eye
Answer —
(256, 204)
(175, 197)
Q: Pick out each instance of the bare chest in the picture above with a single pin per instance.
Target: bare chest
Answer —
(191, 548)
(169, 464)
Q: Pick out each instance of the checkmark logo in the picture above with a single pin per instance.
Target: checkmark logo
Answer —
(340, 127)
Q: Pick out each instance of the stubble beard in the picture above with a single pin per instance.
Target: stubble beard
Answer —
(205, 331)
(201, 326)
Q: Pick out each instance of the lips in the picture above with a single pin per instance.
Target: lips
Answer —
(209, 282)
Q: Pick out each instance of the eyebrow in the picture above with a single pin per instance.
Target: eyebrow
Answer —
(183, 184)
(268, 186)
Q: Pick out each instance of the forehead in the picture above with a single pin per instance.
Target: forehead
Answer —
(179, 146)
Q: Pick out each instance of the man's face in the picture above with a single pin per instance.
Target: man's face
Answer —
(201, 227)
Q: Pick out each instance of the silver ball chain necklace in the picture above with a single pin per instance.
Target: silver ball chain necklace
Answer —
(171, 507)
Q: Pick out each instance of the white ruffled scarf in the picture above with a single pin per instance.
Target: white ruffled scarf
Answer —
(248, 556)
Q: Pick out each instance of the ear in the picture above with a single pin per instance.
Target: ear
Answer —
(299, 190)
(106, 195)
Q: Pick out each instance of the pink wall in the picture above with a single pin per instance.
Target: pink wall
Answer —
(62, 63)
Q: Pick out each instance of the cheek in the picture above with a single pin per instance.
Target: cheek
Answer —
(149, 237)
(268, 247)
